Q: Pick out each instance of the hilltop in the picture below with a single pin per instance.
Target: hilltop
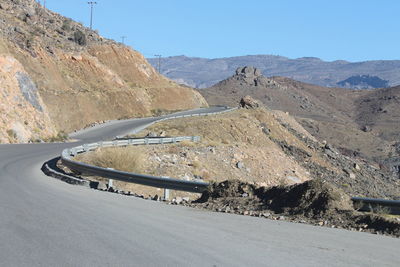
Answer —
(204, 72)
(60, 76)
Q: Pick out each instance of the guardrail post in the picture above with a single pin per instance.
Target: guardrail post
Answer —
(146, 140)
(166, 194)
(110, 183)
(161, 141)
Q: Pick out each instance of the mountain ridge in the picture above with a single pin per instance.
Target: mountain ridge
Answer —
(204, 72)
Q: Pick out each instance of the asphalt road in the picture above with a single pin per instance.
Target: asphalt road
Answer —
(46, 222)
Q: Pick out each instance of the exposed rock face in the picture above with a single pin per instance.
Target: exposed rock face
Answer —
(76, 77)
(23, 115)
(28, 90)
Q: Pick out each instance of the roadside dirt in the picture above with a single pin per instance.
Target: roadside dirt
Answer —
(317, 202)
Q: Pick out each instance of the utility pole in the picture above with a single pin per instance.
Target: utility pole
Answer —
(123, 39)
(44, 3)
(159, 63)
(91, 3)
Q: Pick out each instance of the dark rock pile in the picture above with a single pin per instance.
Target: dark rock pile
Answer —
(316, 202)
(249, 103)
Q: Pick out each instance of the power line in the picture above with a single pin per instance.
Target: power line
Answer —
(91, 3)
(159, 63)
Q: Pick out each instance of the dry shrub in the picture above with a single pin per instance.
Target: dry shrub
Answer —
(196, 164)
(186, 143)
(173, 149)
(225, 141)
(118, 158)
(213, 143)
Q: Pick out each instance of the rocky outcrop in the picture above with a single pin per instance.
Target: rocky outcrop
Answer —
(252, 77)
(249, 103)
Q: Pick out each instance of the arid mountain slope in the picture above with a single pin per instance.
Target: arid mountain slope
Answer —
(379, 110)
(80, 76)
(331, 114)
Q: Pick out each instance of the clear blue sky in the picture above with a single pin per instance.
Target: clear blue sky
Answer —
(353, 30)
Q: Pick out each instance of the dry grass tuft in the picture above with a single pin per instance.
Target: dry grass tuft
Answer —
(118, 158)
(196, 164)
(186, 143)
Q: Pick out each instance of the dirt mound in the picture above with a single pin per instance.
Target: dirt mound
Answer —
(311, 198)
(317, 202)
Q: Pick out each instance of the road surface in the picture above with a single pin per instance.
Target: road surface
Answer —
(46, 222)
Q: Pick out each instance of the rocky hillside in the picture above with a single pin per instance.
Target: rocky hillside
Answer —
(253, 145)
(62, 76)
(363, 82)
(360, 123)
(204, 72)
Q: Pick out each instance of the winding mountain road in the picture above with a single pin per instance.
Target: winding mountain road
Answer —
(46, 222)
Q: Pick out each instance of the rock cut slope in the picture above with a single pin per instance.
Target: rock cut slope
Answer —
(79, 76)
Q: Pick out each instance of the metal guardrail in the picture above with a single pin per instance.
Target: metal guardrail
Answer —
(154, 181)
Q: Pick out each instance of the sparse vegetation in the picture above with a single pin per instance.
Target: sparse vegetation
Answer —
(118, 158)
(60, 137)
(11, 134)
(186, 143)
(66, 25)
(80, 38)
(160, 111)
(379, 209)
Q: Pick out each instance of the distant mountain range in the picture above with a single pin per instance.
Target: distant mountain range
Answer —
(204, 72)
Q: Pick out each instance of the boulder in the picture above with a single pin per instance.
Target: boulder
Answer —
(151, 134)
(239, 165)
(366, 128)
(101, 186)
(249, 103)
